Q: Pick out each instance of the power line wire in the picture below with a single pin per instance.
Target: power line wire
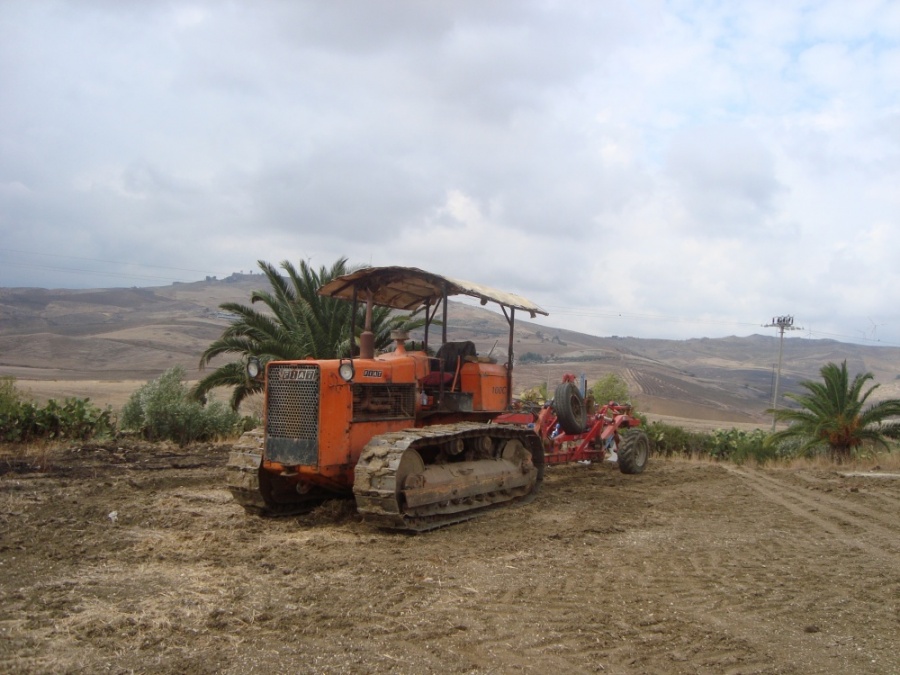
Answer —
(571, 311)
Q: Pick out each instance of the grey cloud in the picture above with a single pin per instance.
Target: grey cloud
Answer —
(354, 193)
(578, 135)
(726, 178)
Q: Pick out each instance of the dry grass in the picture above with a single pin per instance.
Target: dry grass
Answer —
(34, 456)
(881, 461)
(887, 461)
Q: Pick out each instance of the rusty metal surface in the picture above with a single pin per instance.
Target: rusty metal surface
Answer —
(242, 472)
(436, 495)
(273, 496)
(459, 489)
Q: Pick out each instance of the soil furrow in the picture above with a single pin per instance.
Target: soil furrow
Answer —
(835, 521)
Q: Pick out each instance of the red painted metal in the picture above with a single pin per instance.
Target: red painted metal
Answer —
(600, 438)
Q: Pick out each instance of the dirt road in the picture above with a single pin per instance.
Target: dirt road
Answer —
(137, 561)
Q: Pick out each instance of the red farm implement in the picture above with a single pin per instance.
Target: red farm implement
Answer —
(572, 430)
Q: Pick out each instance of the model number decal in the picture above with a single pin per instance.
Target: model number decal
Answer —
(372, 373)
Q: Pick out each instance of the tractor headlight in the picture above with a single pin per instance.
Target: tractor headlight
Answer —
(345, 370)
(254, 367)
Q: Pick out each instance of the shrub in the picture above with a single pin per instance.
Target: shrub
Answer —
(163, 410)
(739, 446)
(536, 395)
(668, 440)
(734, 445)
(74, 418)
(248, 423)
(10, 409)
(9, 395)
(611, 387)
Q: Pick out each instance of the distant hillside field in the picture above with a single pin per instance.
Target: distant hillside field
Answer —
(104, 343)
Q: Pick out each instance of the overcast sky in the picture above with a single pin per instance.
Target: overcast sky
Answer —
(656, 169)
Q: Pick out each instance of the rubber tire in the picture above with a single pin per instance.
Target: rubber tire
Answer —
(569, 406)
(634, 452)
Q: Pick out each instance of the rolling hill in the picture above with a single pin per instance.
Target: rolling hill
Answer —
(104, 343)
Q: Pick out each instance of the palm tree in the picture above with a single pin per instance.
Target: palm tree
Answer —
(831, 415)
(300, 324)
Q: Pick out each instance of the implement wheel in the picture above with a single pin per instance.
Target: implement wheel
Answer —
(569, 406)
(633, 452)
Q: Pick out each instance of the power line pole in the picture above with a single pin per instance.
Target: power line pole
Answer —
(782, 323)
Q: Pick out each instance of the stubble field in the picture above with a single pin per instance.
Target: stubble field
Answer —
(133, 558)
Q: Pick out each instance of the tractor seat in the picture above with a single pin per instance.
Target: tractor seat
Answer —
(453, 352)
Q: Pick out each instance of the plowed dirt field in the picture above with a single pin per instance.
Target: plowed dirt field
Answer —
(135, 559)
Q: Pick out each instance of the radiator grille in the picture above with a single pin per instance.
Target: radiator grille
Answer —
(383, 401)
(292, 413)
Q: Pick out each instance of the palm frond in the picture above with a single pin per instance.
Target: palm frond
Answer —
(297, 323)
(831, 413)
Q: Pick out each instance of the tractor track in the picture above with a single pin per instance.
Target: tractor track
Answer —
(855, 525)
(768, 558)
(377, 487)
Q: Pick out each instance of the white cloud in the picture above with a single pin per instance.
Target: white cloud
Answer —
(713, 163)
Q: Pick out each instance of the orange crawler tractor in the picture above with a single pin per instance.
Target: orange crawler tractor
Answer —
(409, 434)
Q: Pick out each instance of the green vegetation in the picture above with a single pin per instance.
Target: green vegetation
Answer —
(611, 387)
(733, 445)
(300, 324)
(163, 410)
(831, 418)
(667, 440)
(536, 396)
(75, 418)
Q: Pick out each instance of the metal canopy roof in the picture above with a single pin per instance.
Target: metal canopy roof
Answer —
(410, 288)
